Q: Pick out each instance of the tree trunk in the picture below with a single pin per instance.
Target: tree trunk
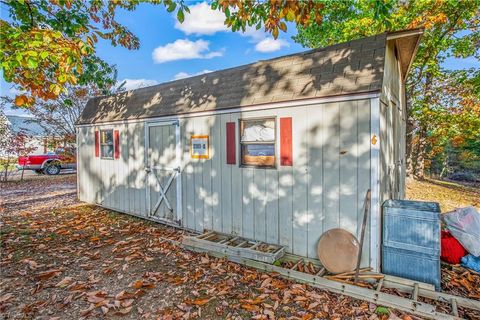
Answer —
(420, 156)
(422, 132)
(409, 132)
(409, 167)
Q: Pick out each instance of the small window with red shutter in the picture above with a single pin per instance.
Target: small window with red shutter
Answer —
(97, 144)
(107, 146)
(257, 143)
(116, 142)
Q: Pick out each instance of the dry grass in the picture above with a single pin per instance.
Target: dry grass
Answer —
(450, 195)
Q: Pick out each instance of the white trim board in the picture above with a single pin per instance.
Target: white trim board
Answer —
(276, 105)
(403, 34)
(375, 208)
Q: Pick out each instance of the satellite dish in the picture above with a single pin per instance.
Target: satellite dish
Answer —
(338, 250)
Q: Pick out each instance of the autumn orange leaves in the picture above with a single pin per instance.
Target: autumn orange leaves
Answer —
(273, 14)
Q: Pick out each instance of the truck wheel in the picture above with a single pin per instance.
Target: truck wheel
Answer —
(52, 169)
(39, 171)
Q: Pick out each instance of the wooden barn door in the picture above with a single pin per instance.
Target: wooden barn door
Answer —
(163, 169)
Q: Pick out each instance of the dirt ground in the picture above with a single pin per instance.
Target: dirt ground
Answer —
(65, 260)
(61, 259)
(38, 192)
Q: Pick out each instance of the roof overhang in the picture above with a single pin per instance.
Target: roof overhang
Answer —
(407, 43)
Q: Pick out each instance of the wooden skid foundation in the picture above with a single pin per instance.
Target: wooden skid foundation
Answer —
(229, 245)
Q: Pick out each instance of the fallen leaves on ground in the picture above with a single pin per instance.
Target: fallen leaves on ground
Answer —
(85, 261)
(461, 281)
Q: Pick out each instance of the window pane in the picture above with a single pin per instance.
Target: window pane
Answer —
(258, 130)
(106, 150)
(257, 142)
(262, 155)
(106, 136)
(258, 149)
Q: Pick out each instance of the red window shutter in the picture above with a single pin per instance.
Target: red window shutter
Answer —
(286, 154)
(116, 144)
(231, 143)
(97, 143)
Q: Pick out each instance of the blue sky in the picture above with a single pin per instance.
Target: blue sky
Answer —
(201, 43)
(169, 50)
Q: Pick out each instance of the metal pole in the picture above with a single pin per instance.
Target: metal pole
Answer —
(362, 234)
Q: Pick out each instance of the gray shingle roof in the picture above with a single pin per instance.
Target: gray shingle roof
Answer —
(345, 68)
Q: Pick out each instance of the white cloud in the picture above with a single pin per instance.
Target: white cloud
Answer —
(254, 34)
(182, 75)
(132, 84)
(183, 49)
(270, 45)
(202, 20)
(263, 40)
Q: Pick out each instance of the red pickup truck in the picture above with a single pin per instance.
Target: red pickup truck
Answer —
(51, 163)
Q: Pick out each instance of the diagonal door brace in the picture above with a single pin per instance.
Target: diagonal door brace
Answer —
(163, 191)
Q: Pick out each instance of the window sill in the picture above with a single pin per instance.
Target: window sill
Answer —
(251, 166)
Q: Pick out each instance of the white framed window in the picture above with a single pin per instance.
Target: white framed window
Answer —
(258, 142)
(106, 144)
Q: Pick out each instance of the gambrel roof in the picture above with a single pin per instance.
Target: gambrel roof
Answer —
(352, 67)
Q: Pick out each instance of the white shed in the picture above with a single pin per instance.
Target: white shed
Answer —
(277, 151)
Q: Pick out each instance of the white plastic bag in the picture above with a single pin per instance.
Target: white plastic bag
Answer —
(258, 133)
(464, 225)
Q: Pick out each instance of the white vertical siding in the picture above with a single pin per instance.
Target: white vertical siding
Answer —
(271, 207)
(392, 129)
(248, 197)
(226, 178)
(199, 128)
(237, 187)
(289, 205)
(363, 168)
(348, 153)
(331, 165)
(207, 195)
(318, 137)
(188, 176)
(301, 216)
(118, 183)
(216, 173)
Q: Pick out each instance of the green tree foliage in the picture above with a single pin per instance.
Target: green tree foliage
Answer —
(452, 29)
(48, 45)
(453, 125)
